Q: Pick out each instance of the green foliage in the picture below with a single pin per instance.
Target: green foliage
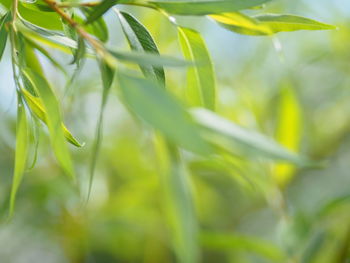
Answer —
(187, 129)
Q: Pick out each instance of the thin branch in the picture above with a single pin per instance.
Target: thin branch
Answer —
(69, 5)
(99, 48)
(14, 9)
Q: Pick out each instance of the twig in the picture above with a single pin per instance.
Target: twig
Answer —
(99, 48)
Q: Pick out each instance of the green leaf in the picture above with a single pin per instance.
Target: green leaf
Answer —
(53, 119)
(141, 40)
(242, 24)
(79, 52)
(21, 154)
(286, 23)
(146, 59)
(3, 32)
(198, 8)
(51, 21)
(267, 24)
(35, 105)
(201, 90)
(179, 203)
(45, 53)
(107, 74)
(239, 140)
(97, 28)
(159, 109)
(38, 5)
(100, 10)
(227, 242)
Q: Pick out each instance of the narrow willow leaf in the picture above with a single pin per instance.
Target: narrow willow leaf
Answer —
(242, 24)
(3, 32)
(100, 10)
(147, 59)
(36, 106)
(97, 28)
(79, 53)
(53, 119)
(141, 40)
(239, 140)
(45, 53)
(21, 155)
(178, 202)
(36, 139)
(198, 8)
(159, 109)
(38, 5)
(288, 132)
(266, 24)
(201, 90)
(227, 242)
(286, 23)
(51, 21)
(107, 74)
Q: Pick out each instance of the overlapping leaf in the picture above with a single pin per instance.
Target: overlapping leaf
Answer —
(21, 156)
(141, 40)
(201, 88)
(52, 118)
(159, 109)
(239, 140)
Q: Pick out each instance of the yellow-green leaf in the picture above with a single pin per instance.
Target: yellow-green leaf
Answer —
(266, 24)
(21, 155)
(53, 119)
(201, 88)
(37, 108)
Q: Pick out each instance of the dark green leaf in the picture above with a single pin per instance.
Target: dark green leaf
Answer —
(100, 10)
(141, 40)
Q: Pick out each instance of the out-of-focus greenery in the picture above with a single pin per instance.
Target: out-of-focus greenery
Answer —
(293, 87)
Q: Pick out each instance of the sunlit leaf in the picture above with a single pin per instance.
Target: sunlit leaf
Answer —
(46, 20)
(36, 106)
(285, 23)
(288, 131)
(53, 119)
(267, 24)
(201, 90)
(242, 24)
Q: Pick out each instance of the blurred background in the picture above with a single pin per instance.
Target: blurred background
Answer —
(293, 87)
